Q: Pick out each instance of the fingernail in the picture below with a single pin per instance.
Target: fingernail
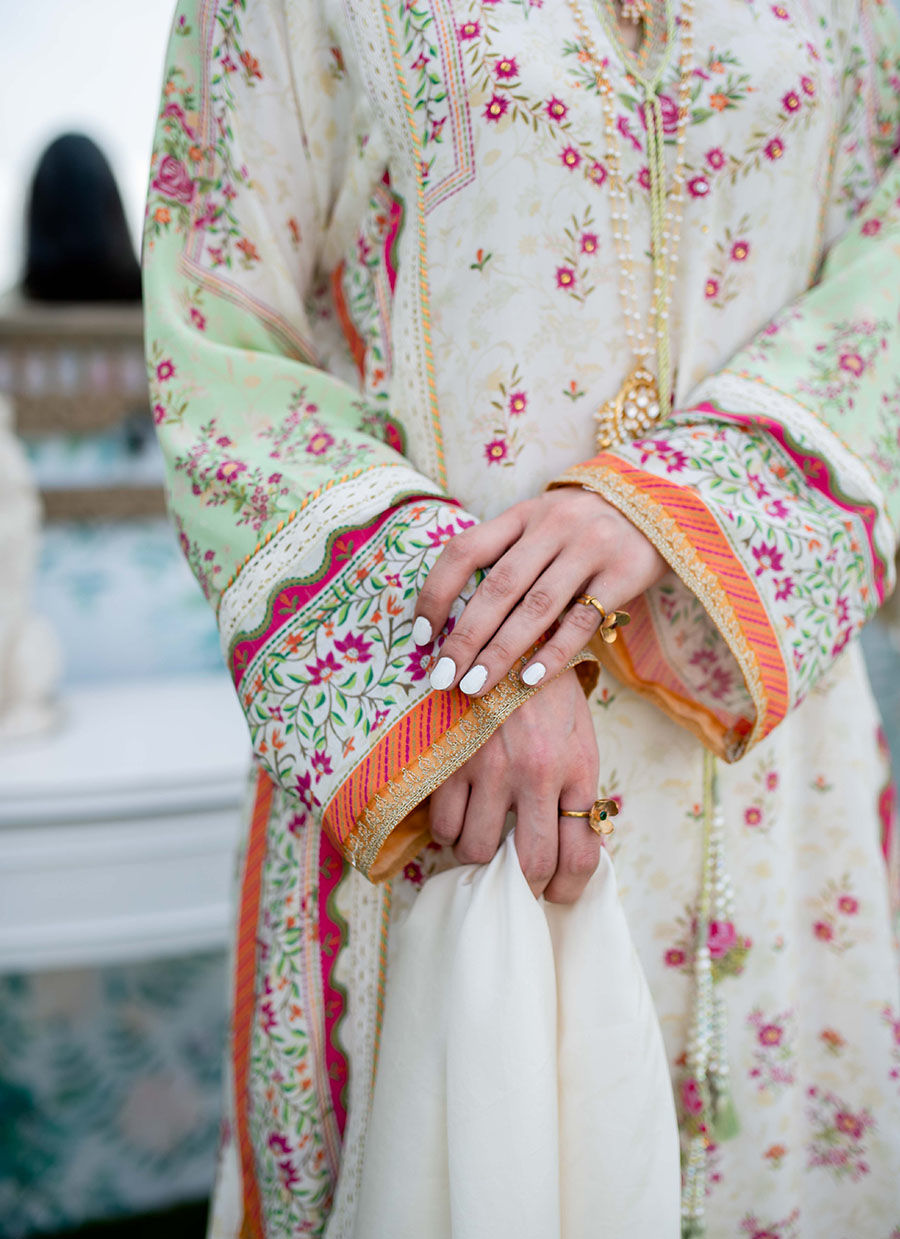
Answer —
(534, 674)
(444, 673)
(422, 634)
(474, 679)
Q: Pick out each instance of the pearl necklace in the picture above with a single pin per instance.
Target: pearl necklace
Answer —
(644, 396)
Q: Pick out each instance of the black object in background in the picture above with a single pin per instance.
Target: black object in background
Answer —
(77, 243)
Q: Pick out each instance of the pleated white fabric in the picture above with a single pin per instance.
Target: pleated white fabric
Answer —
(522, 1086)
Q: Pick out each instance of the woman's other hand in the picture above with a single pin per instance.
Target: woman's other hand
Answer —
(542, 554)
(543, 758)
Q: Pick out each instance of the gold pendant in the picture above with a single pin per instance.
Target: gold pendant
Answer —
(631, 412)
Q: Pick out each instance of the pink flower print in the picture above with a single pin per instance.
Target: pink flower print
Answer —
(303, 790)
(165, 370)
(321, 671)
(413, 873)
(770, 1034)
(691, 1097)
(297, 823)
(174, 181)
(721, 937)
(849, 1124)
(506, 66)
(740, 250)
(779, 509)
(871, 227)
(643, 178)
(823, 930)
(496, 450)
(274, 479)
(780, 12)
(420, 61)
(808, 86)
(279, 1144)
(589, 243)
(675, 957)
(848, 905)
(223, 441)
(496, 107)
(176, 112)
(771, 780)
(791, 101)
(469, 30)
(842, 609)
(669, 109)
(783, 588)
(774, 149)
(381, 715)
(320, 442)
(321, 764)
(753, 815)
(354, 648)
(288, 1175)
(852, 363)
(716, 158)
(198, 319)
(767, 557)
(441, 535)
(269, 1019)
(596, 173)
(698, 187)
(712, 289)
(756, 486)
(570, 157)
(556, 109)
(518, 402)
(229, 469)
(159, 413)
(565, 277)
(420, 662)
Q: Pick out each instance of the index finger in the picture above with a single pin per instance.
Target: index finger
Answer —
(474, 548)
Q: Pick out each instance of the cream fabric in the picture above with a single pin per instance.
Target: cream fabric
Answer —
(522, 1086)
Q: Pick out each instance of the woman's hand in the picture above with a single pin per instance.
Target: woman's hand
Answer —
(542, 759)
(544, 552)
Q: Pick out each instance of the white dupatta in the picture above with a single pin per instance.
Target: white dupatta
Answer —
(522, 1087)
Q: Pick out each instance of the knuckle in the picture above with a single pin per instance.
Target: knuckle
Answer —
(582, 861)
(444, 831)
(499, 584)
(540, 864)
(474, 851)
(500, 652)
(563, 892)
(539, 604)
(583, 619)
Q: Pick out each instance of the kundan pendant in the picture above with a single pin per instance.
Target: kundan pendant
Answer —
(631, 412)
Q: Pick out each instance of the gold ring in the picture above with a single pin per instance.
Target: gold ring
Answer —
(608, 622)
(598, 815)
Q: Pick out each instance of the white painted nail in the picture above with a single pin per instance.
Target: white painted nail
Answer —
(534, 674)
(444, 673)
(473, 679)
(422, 634)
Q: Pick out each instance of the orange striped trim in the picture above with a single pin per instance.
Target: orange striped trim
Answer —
(679, 524)
(697, 523)
(245, 1003)
(355, 342)
(397, 750)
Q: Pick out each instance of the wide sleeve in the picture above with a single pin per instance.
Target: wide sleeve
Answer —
(774, 494)
(307, 527)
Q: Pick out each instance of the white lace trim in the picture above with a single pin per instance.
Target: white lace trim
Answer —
(297, 548)
(361, 904)
(743, 395)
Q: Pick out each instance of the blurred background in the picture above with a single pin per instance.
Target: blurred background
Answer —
(123, 756)
(119, 810)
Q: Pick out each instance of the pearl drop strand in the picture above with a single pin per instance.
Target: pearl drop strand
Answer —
(666, 222)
